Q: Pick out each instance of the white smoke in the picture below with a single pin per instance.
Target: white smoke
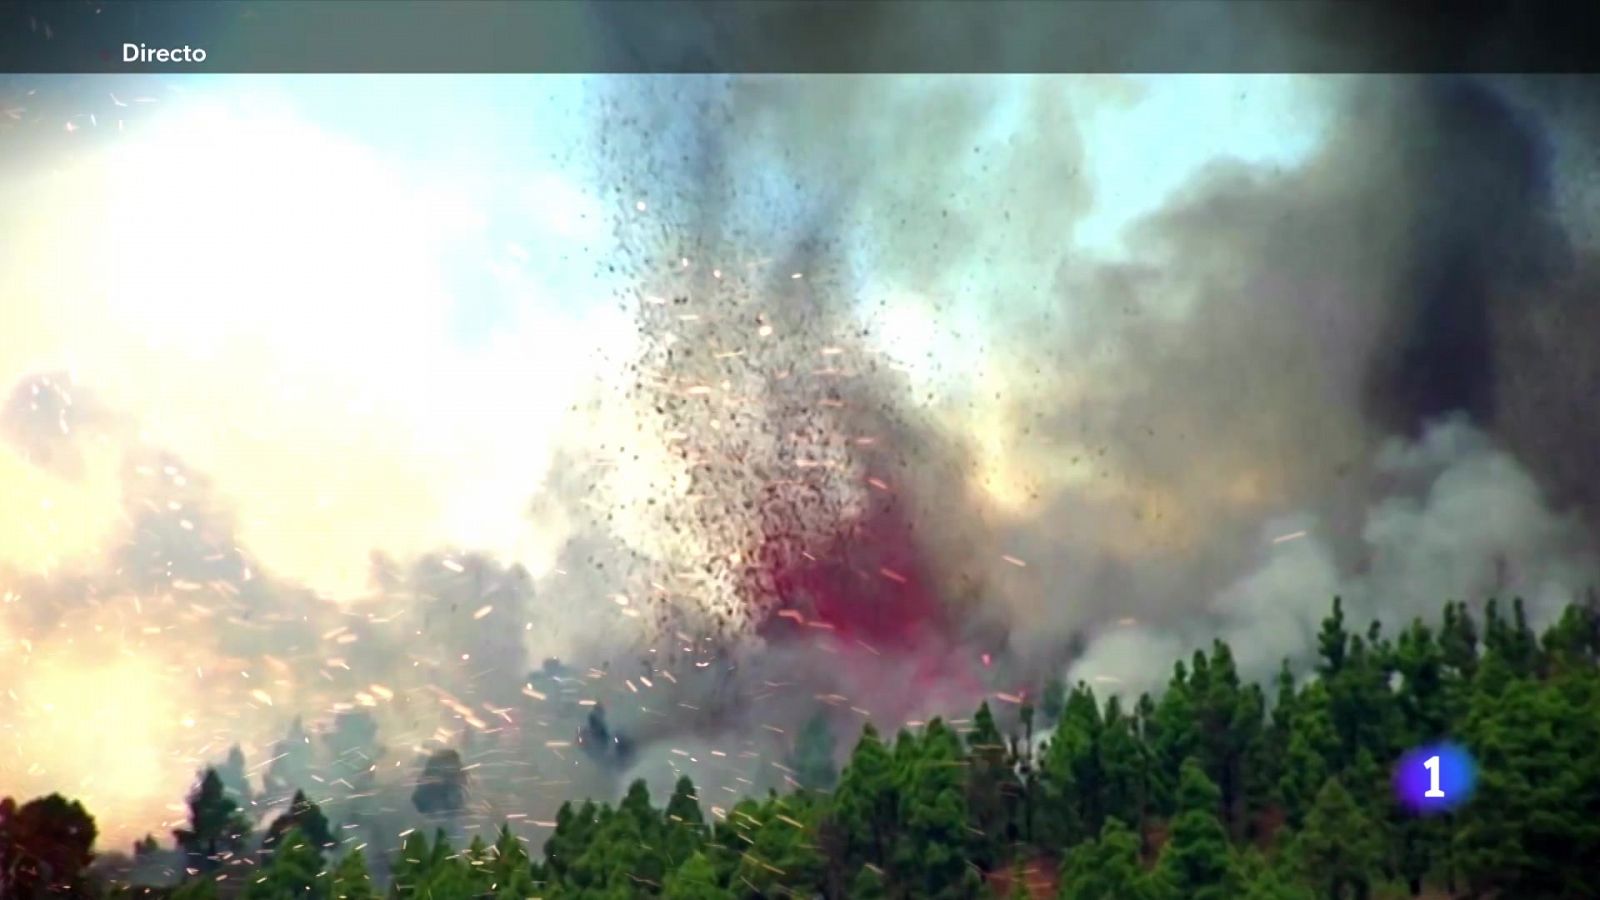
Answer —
(1459, 519)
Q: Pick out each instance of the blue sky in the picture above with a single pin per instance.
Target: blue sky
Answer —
(514, 143)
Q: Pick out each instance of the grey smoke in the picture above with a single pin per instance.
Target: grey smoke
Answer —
(1458, 519)
(1272, 335)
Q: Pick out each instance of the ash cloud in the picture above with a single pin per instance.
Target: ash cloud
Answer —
(1458, 518)
(43, 418)
(1276, 329)
(1386, 318)
(1274, 340)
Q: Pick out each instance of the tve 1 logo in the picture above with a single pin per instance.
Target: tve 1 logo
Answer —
(1435, 778)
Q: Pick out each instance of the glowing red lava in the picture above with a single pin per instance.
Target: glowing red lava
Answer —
(868, 592)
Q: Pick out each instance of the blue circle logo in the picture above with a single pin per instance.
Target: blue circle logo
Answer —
(1435, 778)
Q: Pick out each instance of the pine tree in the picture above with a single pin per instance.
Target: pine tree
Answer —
(1195, 864)
(574, 828)
(780, 849)
(440, 873)
(1230, 720)
(1172, 736)
(1333, 641)
(1337, 852)
(510, 869)
(1072, 804)
(1107, 868)
(930, 856)
(990, 785)
(1421, 663)
(1308, 759)
(307, 817)
(1361, 704)
(867, 802)
(1271, 761)
(1572, 644)
(215, 824)
(685, 824)
(1123, 767)
(1458, 641)
(351, 880)
(626, 846)
(1532, 831)
(1521, 646)
(292, 871)
(419, 864)
(479, 861)
(695, 879)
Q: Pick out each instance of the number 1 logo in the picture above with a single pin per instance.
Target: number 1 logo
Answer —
(1432, 765)
(1434, 778)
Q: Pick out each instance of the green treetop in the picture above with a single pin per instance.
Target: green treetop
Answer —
(1196, 864)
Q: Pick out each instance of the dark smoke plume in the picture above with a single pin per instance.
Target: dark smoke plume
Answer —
(1253, 361)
